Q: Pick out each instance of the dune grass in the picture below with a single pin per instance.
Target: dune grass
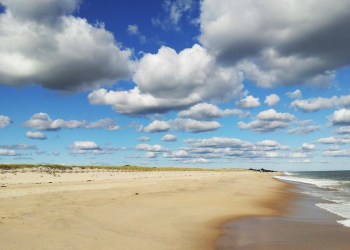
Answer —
(128, 168)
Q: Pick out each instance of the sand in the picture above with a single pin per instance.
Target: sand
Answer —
(303, 226)
(121, 210)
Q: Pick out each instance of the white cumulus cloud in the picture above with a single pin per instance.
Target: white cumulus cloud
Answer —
(42, 121)
(106, 123)
(316, 104)
(268, 121)
(180, 124)
(249, 102)
(4, 121)
(334, 140)
(86, 147)
(157, 126)
(341, 117)
(194, 126)
(295, 94)
(308, 147)
(43, 43)
(206, 111)
(169, 138)
(272, 99)
(169, 80)
(297, 45)
(36, 135)
(151, 148)
(7, 152)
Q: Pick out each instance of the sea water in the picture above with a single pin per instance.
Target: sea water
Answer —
(333, 187)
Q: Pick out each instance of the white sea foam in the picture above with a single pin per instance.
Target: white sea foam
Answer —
(342, 210)
(325, 196)
(288, 173)
(322, 183)
(333, 188)
(344, 222)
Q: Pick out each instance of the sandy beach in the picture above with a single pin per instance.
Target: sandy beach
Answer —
(130, 210)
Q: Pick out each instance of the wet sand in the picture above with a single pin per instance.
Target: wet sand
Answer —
(303, 226)
(120, 210)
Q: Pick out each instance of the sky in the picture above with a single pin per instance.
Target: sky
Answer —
(185, 83)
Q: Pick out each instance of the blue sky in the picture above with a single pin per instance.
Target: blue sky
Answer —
(212, 83)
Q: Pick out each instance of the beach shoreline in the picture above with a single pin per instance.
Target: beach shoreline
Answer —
(302, 225)
(153, 210)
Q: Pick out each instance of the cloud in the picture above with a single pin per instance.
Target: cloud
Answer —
(334, 140)
(57, 50)
(295, 94)
(86, 147)
(107, 124)
(157, 126)
(7, 152)
(303, 122)
(169, 80)
(4, 121)
(151, 148)
(304, 130)
(308, 147)
(174, 12)
(143, 138)
(196, 161)
(178, 154)
(179, 124)
(343, 130)
(270, 145)
(206, 111)
(268, 121)
(36, 135)
(42, 121)
(249, 102)
(133, 30)
(272, 115)
(341, 117)
(194, 126)
(337, 153)
(298, 45)
(169, 138)
(232, 148)
(298, 155)
(219, 142)
(151, 155)
(41, 10)
(316, 104)
(19, 147)
(272, 99)
(185, 157)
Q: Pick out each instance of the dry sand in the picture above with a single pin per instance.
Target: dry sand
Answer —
(145, 210)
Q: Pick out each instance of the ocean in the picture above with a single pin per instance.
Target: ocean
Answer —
(332, 187)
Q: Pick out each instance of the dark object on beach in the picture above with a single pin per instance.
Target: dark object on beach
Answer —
(262, 170)
(50, 181)
(136, 193)
(3, 186)
(89, 180)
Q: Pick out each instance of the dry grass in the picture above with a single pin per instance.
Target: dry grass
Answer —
(126, 168)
